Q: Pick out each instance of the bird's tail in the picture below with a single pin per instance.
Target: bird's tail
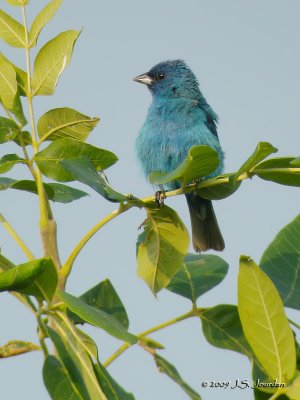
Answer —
(205, 228)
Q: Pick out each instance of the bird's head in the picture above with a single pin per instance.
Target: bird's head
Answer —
(172, 78)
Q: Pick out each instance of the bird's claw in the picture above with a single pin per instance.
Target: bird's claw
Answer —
(160, 197)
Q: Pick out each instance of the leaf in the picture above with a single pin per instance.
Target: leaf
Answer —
(17, 347)
(264, 322)
(49, 159)
(161, 247)
(152, 344)
(55, 191)
(197, 275)
(8, 130)
(65, 122)
(222, 328)
(281, 262)
(73, 353)
(42, 19)
(200, 162)
(279, 170)
(57, 381)
(218, 188)
(8, 161)
(18, 110)
(110, 387)
(64, 194)
(104, 297)
(11, 30)
(37, 278)
(51, 61)
(293, 391)
(23, 138)
(17, 2)
(5, 263)
(263, 150)
(167, 368)
(84, 171)
(8, 84)
(20, 75)
(97, 317)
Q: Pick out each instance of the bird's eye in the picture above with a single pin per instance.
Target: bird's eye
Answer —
(160, 77)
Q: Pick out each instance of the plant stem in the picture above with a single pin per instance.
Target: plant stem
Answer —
(294, 323)
(16, 237)
(47, 224)
(66, 269)
(143, 334)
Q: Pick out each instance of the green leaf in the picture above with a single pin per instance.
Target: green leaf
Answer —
(42, 19)
(200, 162)
(20, 75)
(222, 328)
(197, 275)
(74, 355)
(51, 61)
(279, 170)
(84, 171)
(64, 193)
(296, 162)
(97, 317)
(110, 387)
(17, 347)
(263, 150)
(167, 368)
(55, 191)
(104, 297)
(65, 122)
(161, 247)
(18, 110)
(281, 262)
(8, 130)
(264, 322)
(57, 381)
(50, 158)
(5, 263)
(8, 161)
(23, 137)
(36, 277)
(218, 188)
(11, 30)
(8, 84)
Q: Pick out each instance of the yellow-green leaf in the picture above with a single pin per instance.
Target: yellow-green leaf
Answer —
(42, 19)
(65, 123)
(17, 2)
(51, 61)
(264, 322)
(161, 247)
(11, 30)
(17, 347)
(293, 391)
(20, 75)
(8, 85)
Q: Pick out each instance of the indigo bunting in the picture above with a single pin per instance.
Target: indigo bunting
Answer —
(178, 118)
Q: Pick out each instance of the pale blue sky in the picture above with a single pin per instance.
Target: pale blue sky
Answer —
(246, 57)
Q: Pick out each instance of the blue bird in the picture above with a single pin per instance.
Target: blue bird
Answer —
(179, 118)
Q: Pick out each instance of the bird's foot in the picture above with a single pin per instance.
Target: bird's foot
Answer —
(160, 197)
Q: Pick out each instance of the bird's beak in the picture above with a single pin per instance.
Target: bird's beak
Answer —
(144, 78)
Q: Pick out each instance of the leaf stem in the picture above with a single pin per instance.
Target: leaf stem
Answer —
(16, 237)
(143, 334)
